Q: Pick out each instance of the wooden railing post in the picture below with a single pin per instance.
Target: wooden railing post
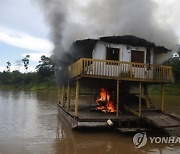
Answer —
(131, 70)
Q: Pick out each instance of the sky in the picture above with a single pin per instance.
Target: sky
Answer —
(24, 31)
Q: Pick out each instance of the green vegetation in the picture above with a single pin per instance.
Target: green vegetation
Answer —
(42, 79)
(172, 89)
(175, 63)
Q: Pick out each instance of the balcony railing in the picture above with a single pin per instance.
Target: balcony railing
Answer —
(110, 69)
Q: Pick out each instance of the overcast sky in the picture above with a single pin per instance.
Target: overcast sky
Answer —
(23, 29)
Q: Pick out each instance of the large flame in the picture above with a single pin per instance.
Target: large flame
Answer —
(105, 102)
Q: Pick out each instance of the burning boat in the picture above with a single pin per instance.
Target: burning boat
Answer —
(111, 68)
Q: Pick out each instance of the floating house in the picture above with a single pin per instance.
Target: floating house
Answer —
(112, 67)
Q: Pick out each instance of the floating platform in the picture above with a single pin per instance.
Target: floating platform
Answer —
(161, 119)
(158, 119)
(127, 121)
(92, 118)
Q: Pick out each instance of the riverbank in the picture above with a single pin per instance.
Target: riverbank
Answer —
(171, 89)
(31, 86)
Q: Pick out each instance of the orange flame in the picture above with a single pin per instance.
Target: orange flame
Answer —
(105, 102)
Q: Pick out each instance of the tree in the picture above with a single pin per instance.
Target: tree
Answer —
(8, 66)
(46, 67)
(26, 61)
(175, 63)
(18, 64)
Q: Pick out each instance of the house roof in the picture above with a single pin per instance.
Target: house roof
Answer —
(127, 39)
(84, 48)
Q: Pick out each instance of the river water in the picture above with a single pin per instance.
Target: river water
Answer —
(29, 124)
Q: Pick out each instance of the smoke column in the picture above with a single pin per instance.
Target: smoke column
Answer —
(75, 19)
(70, 20)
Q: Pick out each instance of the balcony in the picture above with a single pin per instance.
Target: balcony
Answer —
(108, 69)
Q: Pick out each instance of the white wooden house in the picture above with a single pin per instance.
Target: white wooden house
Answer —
(110, 65)
(125, 57)
(118, 59)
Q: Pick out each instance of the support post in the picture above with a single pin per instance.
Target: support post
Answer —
(148, 101)
(68, 96)
(140, 95)
(162, 97)
(77, 98)
(59, 92)
(62, 98)
(117, 100)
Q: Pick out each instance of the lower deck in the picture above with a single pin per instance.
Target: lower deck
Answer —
(93, 118)
(98, 115)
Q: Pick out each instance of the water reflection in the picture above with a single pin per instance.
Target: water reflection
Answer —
(29, 124)
(103, 141)
(172, 103)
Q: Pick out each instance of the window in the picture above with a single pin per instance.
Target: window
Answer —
(112, 54)
(137, 56)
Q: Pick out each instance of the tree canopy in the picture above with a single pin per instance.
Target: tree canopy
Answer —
(175, 63)
(46, 67)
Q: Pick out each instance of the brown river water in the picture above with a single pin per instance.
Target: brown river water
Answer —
(29, 124)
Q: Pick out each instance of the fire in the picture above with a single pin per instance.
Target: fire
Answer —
(105, 102)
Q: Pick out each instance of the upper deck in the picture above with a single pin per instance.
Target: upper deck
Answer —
(119, 70)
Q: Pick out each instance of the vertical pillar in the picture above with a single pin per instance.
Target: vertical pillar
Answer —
(148, 102)
(68, 96)
(117, 99)
(62, 99)
(140, 95)
(162, 97)
(77, 98)
(59, 92)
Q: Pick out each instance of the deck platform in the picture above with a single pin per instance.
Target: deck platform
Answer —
(160, 119)
(155, 117)
(93, 118)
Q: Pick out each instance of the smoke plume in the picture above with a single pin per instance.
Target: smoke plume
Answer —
(70, 20)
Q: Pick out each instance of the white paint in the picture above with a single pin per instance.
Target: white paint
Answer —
(99, 51)
(106, 69)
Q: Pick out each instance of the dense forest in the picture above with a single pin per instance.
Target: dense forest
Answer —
(43, 78)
